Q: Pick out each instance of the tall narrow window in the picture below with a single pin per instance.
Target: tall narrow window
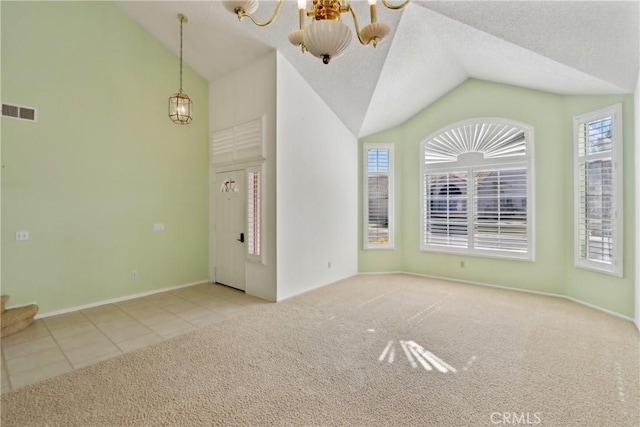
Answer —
(476, 189)
(378, 196)
(598, 187)
(253, 212)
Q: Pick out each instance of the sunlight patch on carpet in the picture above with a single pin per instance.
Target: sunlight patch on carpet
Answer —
(469, 363)
(416, 356)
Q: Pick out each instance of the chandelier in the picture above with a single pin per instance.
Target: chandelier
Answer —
(180, 106)
(326, 37)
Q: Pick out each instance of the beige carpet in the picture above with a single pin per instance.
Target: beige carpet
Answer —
(358, 353)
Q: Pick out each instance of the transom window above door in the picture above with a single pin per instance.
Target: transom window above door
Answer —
(476, 189)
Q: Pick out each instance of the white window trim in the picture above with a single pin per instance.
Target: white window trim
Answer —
(526, 161)
(616, 267)
(365, 200)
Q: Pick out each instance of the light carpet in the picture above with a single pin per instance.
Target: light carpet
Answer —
(369, 350)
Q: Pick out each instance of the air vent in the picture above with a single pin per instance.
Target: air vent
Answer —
(27, 113)
(19, 112)
(10, 111)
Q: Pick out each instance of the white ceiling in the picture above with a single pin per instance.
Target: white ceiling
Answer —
(566, 47)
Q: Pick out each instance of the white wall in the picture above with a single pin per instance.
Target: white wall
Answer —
(317, 193)
(241, 96)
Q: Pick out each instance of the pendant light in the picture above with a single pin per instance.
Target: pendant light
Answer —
(180, 106)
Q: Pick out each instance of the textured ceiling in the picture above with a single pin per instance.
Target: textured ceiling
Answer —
(567, 47)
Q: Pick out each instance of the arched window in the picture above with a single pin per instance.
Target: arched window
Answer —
(476, 189)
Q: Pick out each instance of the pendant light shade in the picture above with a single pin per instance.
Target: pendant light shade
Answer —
(180, 108)
(180, 105)
(246, 6)
(374, 32)
(327, 39)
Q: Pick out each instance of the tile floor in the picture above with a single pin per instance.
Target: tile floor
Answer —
(58, 344)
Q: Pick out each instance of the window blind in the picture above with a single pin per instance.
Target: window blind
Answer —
(500, 210)
(445, 211)
(595, 180)
(378, 165)
(240, 142)
(476, 188)
(253, 213)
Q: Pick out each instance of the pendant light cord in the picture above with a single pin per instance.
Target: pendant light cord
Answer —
(181, 20)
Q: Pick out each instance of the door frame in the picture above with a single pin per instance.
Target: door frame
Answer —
(213, 172)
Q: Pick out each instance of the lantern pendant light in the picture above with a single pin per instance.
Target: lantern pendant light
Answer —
(180, 106)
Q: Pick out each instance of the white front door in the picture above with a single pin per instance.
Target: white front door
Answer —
(230, 221)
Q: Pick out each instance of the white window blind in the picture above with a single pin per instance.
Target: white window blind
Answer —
(446, 214)
(476, 189)
(598, 180)
(253, 212)
(500, 210)
(239, 143)
(378, 196)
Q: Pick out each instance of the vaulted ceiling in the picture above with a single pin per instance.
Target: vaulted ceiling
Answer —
(565, 47)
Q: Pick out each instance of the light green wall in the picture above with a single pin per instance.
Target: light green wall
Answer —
(102, 164)
(600, 289)
(376, 260)
(552, 271)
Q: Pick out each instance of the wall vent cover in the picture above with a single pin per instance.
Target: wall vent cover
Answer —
(19, 112)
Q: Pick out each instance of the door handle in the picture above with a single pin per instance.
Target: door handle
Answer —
(241, 239)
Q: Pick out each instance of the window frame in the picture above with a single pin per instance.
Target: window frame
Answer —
(470, 163)
(390, 244)
(616, 266)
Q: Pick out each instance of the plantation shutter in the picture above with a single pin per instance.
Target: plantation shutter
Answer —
(476, 189)
(253, 213)
(445, 212)
(378, 190)
(595, 180)
(242, 142)
(500, 210)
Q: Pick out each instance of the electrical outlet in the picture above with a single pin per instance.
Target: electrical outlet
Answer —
(22, 235)
(158, 227)
(134, 274)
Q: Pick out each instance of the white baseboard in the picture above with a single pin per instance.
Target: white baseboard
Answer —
(313, 288)
(114, 300)
(528, 291)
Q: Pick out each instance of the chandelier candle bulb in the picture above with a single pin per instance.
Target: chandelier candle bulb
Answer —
(301, 13)
(373, 10)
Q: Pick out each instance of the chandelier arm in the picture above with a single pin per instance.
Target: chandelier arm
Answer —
(355, 23)
(395, 7)
(242, 14)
